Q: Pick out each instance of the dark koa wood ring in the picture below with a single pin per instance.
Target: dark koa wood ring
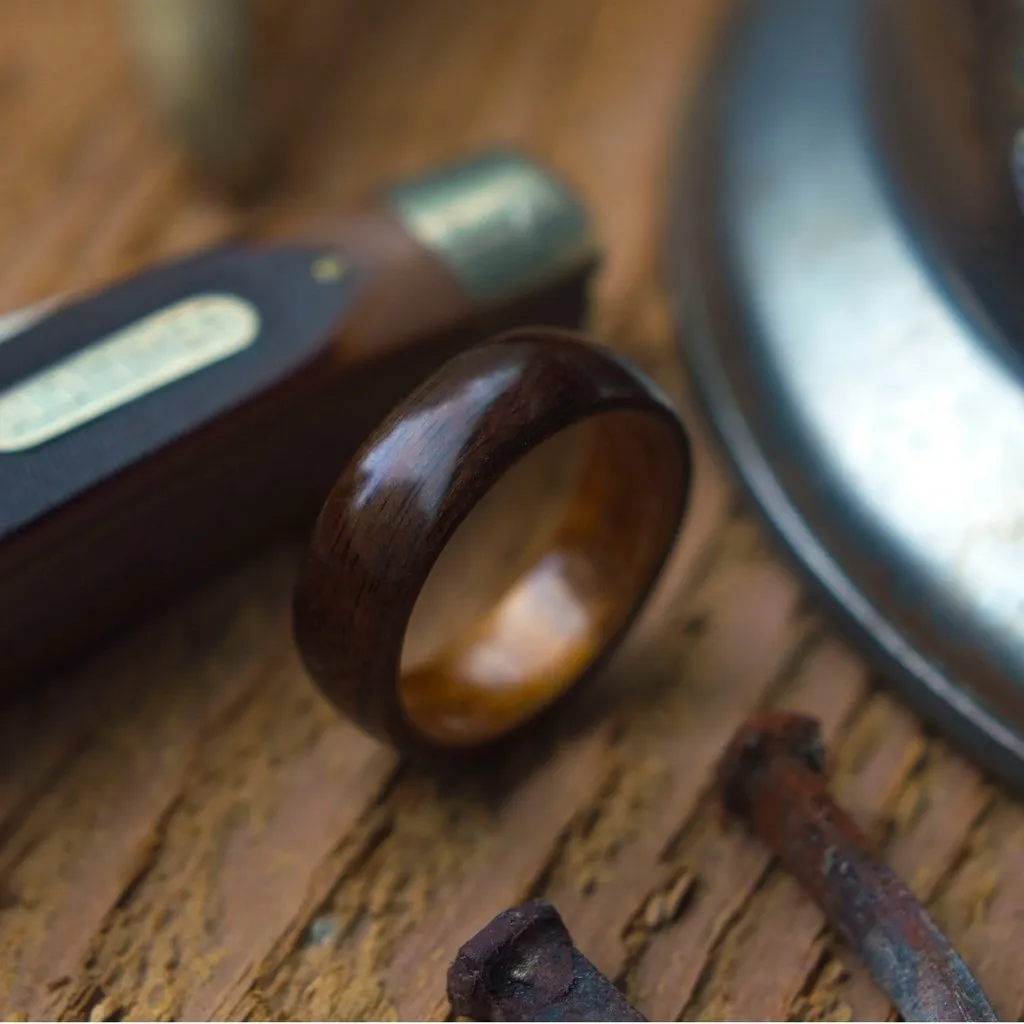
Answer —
(420, 475)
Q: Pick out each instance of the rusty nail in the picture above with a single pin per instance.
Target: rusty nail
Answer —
(773, 777)
(524, 966)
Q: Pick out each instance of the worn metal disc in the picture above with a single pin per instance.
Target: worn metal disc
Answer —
(847, 259)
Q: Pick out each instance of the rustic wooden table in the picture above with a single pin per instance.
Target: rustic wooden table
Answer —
(187, 830)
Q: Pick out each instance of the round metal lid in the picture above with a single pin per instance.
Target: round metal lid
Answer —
(845, 252)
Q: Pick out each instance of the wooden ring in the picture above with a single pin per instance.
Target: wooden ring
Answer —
(419, 476)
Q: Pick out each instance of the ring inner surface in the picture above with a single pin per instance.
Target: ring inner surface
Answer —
(540, 577)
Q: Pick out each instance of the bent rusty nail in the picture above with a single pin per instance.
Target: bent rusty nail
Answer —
(524, 966)
(772, 776)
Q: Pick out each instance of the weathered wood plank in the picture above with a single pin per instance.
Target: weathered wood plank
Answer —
(186, 830)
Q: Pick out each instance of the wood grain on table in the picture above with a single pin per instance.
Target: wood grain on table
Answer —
(188, 831)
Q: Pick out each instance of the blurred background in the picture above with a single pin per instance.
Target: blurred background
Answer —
(138, 128)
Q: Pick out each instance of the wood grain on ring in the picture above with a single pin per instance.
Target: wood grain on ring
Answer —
(416, 480)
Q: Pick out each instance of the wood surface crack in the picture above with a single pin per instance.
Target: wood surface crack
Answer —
(29, 796)
(376, 919)
(958, 861)
(670, 971)
(725, 926)
(729, 926)
(581, 825)
(775, 691)
(802, 997)
(149, 855)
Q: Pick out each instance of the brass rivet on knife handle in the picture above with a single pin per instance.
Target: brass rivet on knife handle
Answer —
(415, 484)
(484, 233)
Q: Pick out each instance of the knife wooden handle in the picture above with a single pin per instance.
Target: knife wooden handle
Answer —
(156, 432)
